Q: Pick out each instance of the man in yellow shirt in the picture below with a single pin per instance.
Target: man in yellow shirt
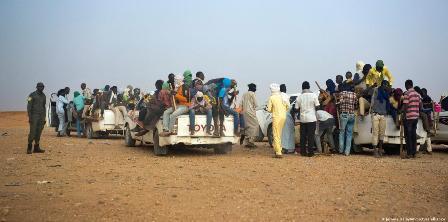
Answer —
(378, 74)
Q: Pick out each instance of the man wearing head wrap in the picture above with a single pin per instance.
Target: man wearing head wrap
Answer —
(249, 109)
(170, 115)
(226, 109)
(378, 74)
(278, 107)
(188, 78)
(36, 118)
(200, 105)
(379, 107)
(306, 103)
(78, 101)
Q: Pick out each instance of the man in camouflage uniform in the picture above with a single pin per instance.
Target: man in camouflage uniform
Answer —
(36, 117)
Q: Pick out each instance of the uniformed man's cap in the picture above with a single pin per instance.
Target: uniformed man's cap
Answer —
(40, 84)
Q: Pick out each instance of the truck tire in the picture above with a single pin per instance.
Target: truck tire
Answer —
(128, 138)
(270, 135)
(356, 148)
(223, 148)
(89, 131)
(158, 150)
(260, 136)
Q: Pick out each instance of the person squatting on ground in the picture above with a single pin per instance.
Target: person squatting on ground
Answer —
(249, 110)
(199, 105)
(36, 118)
(306, 104)
(60, 111)
(347, 103)
(278, 107)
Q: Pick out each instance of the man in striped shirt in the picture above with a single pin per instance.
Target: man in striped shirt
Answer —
(411, 107)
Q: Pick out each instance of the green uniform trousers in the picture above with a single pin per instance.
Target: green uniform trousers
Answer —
(37, 124)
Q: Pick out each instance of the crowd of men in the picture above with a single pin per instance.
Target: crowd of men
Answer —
(329, 115)
(368, 91)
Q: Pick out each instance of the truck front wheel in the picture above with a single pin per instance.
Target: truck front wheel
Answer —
(128, 137)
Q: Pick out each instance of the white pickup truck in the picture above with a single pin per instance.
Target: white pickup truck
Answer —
(95, 127)
(363, 136)
(221, 145)
(442, 129)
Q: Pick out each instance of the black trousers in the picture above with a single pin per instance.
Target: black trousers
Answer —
(307, 131)
(410, 130)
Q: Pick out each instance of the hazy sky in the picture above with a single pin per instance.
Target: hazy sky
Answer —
(63, 43)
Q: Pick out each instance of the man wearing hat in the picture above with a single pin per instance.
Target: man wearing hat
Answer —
(36, 118)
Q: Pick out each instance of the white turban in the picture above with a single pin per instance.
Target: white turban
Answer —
(178, 80)
(359, 66)
(275, 88)
(199, 94)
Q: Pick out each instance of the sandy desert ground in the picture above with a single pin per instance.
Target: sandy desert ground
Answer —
(77, 179)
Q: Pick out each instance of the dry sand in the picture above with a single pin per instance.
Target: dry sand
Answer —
(77, 179)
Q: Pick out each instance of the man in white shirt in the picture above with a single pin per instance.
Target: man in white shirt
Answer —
(306, 104)
(325, 125)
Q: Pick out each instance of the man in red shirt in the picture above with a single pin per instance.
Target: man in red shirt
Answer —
(411, 107)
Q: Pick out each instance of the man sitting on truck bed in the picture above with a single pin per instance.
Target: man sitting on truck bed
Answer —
(181, 107)
(200, 106)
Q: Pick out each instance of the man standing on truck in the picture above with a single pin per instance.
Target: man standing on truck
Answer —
(411, 107)
(379, 107)
(224, 101)
(36, 118)
(87, 94)
(378, 74)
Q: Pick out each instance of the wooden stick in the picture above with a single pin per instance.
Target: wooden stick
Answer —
(337, 111)
(172, 98)
(400, 120)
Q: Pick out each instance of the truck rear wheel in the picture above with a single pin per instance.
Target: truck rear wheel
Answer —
(223, 148)
(158, 150)
(128, 137)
